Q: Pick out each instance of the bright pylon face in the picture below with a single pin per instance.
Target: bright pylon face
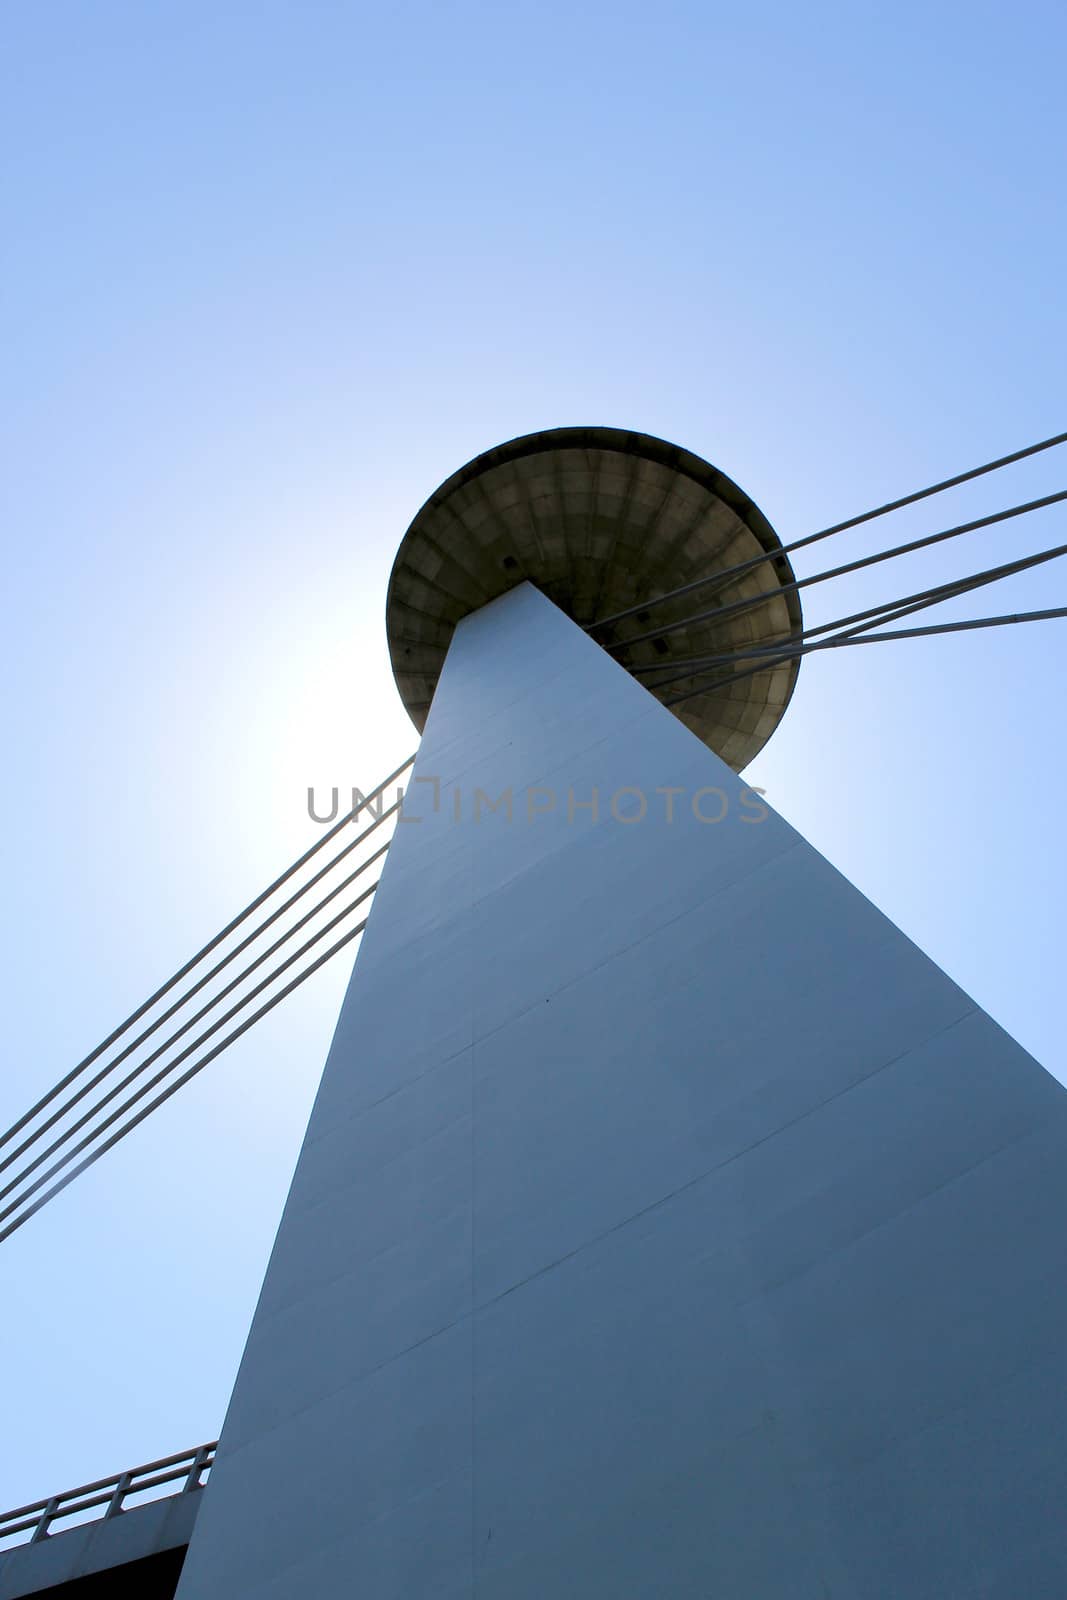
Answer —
(667, 1223)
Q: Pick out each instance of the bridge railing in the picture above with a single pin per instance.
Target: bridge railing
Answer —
(190, 1468)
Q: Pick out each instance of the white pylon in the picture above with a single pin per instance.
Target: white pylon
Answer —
(667, 1223)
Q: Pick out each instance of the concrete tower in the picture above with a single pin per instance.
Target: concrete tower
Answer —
(667, 1224)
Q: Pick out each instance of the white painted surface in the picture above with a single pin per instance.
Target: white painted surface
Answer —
(667, 1224)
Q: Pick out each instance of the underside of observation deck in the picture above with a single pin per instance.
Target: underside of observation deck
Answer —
(602, 520)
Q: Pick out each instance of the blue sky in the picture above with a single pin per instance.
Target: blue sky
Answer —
(273, 271)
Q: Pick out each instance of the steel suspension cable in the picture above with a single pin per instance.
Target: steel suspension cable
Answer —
(938, 627)
(880, 614)
(173, 1088)
(886, 611)
(741, 567)
(803, 648)
(198, 1016)
(720, 613)
(212, 944)
(183, 1055)
(857, 637)
(238, 949)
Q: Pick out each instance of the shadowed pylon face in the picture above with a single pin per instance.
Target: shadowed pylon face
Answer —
(667, 1224)
(601, 520)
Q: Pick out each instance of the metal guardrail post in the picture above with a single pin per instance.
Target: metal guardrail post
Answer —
(200, 1461)
(41, 1530)
(114, 1505)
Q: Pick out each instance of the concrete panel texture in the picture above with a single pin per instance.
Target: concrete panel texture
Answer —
(667, 1224)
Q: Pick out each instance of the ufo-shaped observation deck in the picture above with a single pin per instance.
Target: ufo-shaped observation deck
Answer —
(601, 520)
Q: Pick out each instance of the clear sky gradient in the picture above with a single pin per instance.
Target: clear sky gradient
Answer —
(271, 272)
